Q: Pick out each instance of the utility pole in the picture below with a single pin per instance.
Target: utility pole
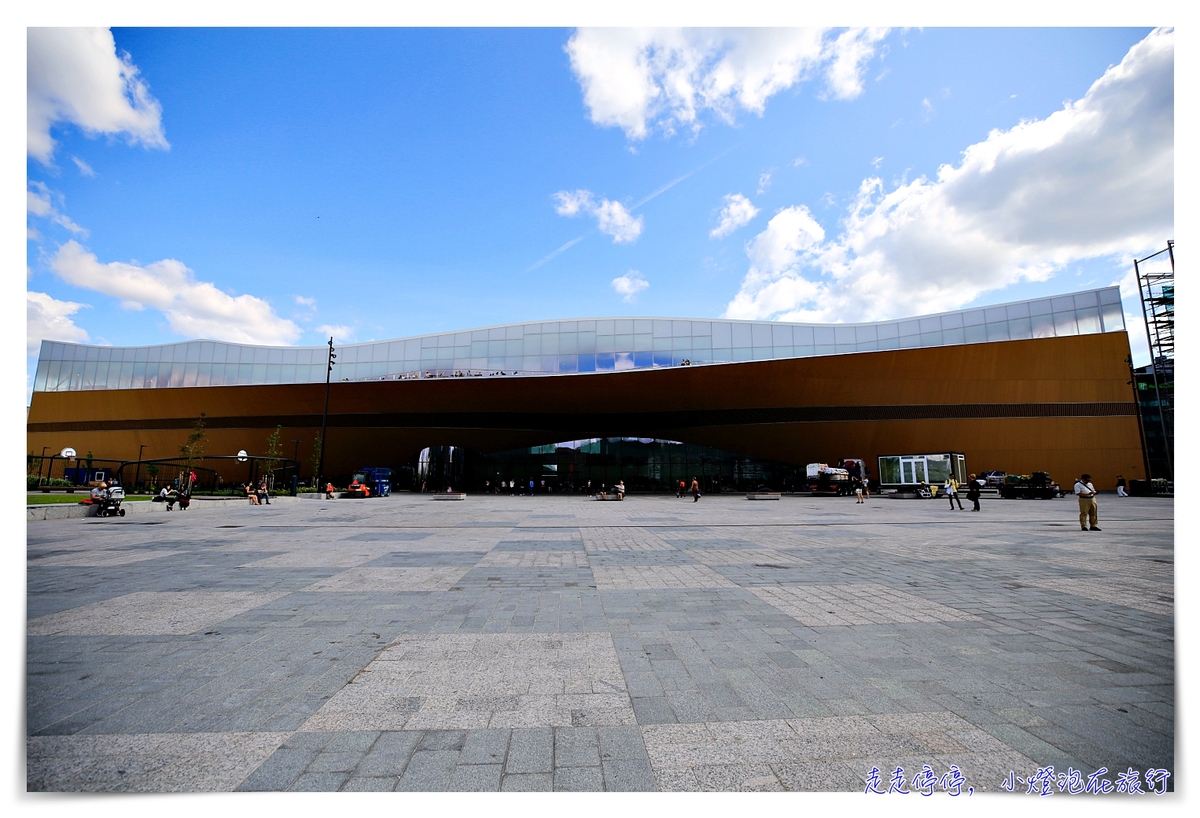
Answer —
(325, 415)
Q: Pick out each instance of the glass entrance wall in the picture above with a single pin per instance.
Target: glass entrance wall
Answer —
(562, 347)
(645, 465)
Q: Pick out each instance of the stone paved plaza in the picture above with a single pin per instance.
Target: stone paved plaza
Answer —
(554, 642)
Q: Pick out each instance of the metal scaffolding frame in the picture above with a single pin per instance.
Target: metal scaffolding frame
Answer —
(1156, 286)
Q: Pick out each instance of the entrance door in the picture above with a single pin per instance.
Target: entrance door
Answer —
(913, 470)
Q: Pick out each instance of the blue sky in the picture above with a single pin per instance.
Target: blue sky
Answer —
(275, 186)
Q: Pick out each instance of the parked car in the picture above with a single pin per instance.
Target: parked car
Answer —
(993, 478)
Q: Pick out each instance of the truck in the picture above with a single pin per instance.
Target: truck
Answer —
(370, 481)
(823, 479)
(1035, 486)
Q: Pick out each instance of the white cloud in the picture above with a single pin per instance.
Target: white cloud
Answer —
(1095, 179)
(196, 309)
(76, 76)
(611, 217)
(641, 80)
(764, 181)
(629, 285)
(84, 168)
(50, 320)
(340, 333)
(851, 52)
(738, 211)
(305, 301)
(38, 202)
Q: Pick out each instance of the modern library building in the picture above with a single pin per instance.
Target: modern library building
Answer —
(1040, 385)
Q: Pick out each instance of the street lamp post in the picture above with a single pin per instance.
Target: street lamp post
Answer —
(325, 414)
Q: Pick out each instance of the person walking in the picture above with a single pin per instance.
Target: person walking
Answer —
(695, 490)
(858, 490)
(1088, 513)
(1121, 486)
(951, 492)
(973, 492)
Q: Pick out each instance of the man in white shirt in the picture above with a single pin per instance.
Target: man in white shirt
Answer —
(1086, 493)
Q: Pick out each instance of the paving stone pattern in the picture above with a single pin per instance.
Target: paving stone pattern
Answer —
(555, 643)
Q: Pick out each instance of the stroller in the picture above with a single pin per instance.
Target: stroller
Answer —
(111, 506)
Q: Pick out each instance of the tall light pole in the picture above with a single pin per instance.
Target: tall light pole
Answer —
(325, 414)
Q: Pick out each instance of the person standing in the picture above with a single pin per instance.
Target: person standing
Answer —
(973, 492)
(952, 493)
(1088, 513)
(695, 490)
(1121, 486)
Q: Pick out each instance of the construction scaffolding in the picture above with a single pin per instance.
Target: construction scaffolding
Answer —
(1156, 284)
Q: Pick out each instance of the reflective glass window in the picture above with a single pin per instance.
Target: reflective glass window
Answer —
(823, 336)
(993, 315)
(741, 335)
(1040, 307)
(997, 330)
(1063, 303)
(682, 344)
(1084, 300)
(662, 329)
(568, 343)
(605, 361)
(826, 349)
(89, 374)
(514, 347)
(952, 321)
(1017, 311)
(975, 334)
(867, 334)
(741, 354)
(587, 340)
(568, 326)
(623, 360)
(606, 327)
(192, 353)
(567, 363)
(802, 336)
(275, 356)
(662, 344)
(909, 328)
(1064, 324)
(1019, 329)
(844, 335)
(931, 339)
(662, 359)
(260, 355)
(587, 326)
(972, 318)
(587, 363)
(105, 354)
(189, 374)
(1111, 295)
(1088, 320)
(722, 334)
(1043, 326)
(604, 343)
(642, 325)
(142, 354)
(1113, 320)
(91, 354)
(700, 328)
(933, 324)
(760, 335)
(781, 335)
(722, 354)
(39, 379)
(642, 340)
(623, 325)
(953, 335)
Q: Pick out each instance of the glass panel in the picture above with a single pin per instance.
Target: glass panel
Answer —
(39, 379)
(1084, 300)
(1019, 329)
(843, 335)
(889, 469)
(1040, 308)
(89, 374)
(587, 341)
(722, 334)
(203, 373)
(938, 466)
(975, 334)
(954, 335)
(910, 328)
(931, 339)
(867, 334)
(741, 335)
(604, 343)
(1110, 296)
(930, 324)
(1017, 311)
(997, 331)
(662, 329)
(891, 330)
(1063, 303)
(587, 363)
(1043, 326)
(1064, 324)
(973, 318)
(761, 335)
(1113, 320)
(260, 355)
(823, 335)
(1088, 320)
(662, 344)
(994, 315)
(189, 373)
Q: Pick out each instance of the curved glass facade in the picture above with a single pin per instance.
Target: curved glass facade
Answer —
(563, 347)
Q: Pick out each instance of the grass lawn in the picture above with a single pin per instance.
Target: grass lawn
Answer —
(40, 499)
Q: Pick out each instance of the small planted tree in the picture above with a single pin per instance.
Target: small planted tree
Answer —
(274, 453)
(315, 459)
(152, 470)
(192, 451)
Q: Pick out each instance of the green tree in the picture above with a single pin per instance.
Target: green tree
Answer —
(193, 450)
(152, 470)
(274, 453)
(314, 459)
